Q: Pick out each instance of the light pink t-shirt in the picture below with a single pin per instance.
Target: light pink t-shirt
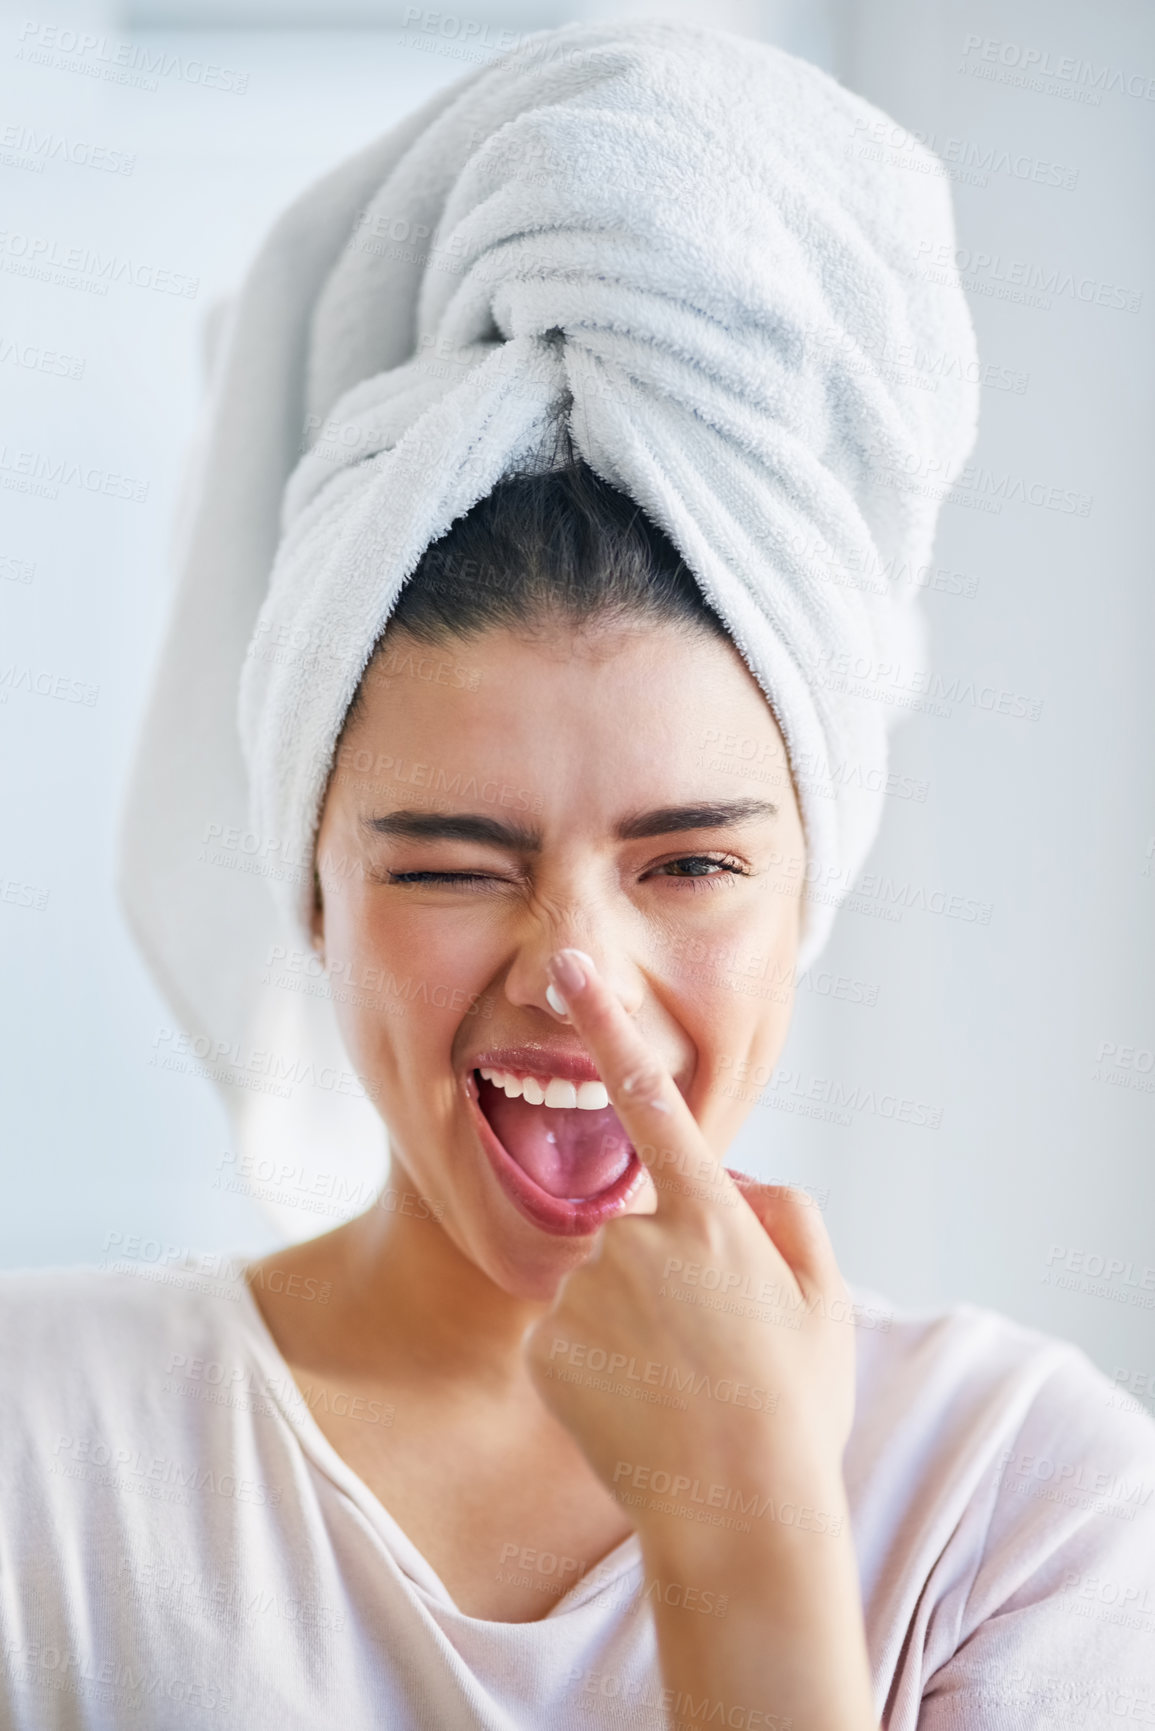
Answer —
(181, 1547)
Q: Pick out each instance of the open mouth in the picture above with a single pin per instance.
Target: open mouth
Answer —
(558, 1148)
(565, 1135)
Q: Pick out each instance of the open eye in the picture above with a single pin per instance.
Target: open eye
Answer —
(702, 868)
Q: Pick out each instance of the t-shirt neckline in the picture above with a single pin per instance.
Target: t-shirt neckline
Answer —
(283, 1389)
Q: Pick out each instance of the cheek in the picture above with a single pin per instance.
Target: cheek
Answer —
(733, 987)
(403, 979)
(731, 1010)
(719, 937)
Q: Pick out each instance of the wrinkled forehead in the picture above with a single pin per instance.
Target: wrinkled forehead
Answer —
(575, 726)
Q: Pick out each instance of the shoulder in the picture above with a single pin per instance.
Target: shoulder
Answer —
(976, 1390)
(80, 1347)
(950, 1357)
(60, 1307)
(967, 1366)
(999, 1481)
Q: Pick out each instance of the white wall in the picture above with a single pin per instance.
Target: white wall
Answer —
(994, 1028)
(1051, 821)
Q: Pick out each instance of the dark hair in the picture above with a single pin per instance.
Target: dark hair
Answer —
(559, 547)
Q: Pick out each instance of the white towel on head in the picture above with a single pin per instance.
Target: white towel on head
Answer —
(662, 233)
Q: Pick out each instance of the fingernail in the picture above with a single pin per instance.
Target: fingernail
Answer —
(566, 970)
(555, 1001)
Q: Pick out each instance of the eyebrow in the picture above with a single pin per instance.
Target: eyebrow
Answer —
(474, 826)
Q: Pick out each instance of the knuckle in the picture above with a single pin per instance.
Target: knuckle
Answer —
(642, 1080)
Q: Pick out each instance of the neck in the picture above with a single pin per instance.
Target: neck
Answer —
(407, 1301)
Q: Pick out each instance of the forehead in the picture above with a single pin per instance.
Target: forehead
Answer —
(564, 714)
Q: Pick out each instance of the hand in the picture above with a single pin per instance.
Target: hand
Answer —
(752, 1505)
(727, 1299)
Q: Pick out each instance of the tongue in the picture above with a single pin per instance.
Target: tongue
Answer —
(568, 1153)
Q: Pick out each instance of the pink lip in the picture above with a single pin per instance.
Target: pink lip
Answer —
(571, 1066)
(555, 1214)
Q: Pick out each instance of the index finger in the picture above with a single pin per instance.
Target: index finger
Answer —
(659, 1123)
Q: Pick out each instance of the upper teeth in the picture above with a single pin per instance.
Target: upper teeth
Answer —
(550, 1090)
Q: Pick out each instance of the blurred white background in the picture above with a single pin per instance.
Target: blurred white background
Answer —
(996, 1074)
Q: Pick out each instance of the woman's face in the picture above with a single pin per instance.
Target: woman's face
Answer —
(622, 791)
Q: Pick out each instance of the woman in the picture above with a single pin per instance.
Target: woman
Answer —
(581, 1428)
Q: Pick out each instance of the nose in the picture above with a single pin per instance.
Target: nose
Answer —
(565, 929)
